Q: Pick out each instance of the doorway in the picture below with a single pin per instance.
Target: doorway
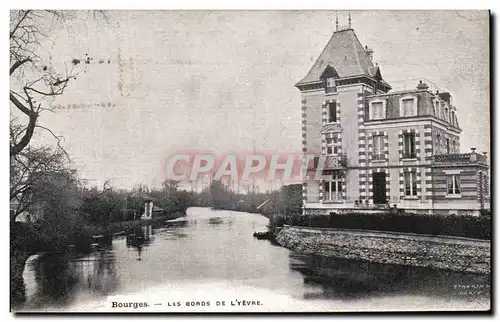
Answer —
(379, 189)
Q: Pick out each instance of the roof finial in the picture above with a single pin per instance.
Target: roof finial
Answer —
(349, 19)
(336, 21)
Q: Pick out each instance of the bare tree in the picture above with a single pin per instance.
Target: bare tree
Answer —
(29, 169)
(170, 186)
(33, 81)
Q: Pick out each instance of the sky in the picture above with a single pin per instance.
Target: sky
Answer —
(222, 81)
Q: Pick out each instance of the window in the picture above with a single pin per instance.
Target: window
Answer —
(410, 183)
(332, 112)
(330, 82)
(446, 115)
(330, 85)
(378, 147)
(333, 145)
(453, 184)
(448, 146)
(377, 110)
(408, 107)
(409, 146)
(332, 189)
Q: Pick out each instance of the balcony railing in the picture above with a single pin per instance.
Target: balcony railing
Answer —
(329, 90)
(460, 158)
(337, 161)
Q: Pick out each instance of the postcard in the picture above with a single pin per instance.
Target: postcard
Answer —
(232, 161)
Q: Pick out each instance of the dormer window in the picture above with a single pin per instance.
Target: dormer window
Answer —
(377, 110)
(330, 85)
(437, 111)
(408, 106)
(328, 76)
(330, 82)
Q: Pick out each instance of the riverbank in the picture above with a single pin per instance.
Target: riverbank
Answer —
(117, 227)
(29, 239)
(436, 252)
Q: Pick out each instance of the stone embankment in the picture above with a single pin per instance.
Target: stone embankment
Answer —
(437, 252)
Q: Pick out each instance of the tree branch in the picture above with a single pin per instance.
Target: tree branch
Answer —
(18, 64)
(58, 138)
(16, 148)
(20, 105)
(30, 129)
(19, 23)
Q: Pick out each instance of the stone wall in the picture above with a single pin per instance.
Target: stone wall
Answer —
(437, 252)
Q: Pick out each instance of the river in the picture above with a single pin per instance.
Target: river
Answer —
(210, 262)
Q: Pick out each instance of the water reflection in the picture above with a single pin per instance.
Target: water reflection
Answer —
(209, 247)
(349, 279)
(57, 279)
(139, 238)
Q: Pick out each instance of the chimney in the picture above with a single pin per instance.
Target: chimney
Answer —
(422, 86)
(369, 52)
(473, 157)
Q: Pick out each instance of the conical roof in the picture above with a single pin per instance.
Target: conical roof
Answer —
(345, 54)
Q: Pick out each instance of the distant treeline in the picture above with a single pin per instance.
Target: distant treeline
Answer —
(286, 200)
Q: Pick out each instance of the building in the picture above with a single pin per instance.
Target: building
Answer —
(157, 212)
(147, 201)
(383, 148)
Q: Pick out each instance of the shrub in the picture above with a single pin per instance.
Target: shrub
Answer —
(451, 225)
(275, 221)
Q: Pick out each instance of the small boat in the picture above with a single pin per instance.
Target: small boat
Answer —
(180, 219)
(262, 235)
(215, 220)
